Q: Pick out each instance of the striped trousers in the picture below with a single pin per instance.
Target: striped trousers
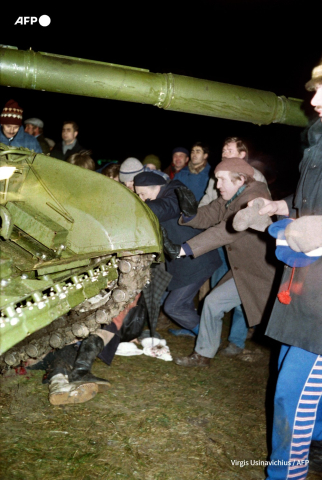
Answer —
(297, 413)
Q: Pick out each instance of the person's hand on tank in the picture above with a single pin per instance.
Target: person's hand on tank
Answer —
(249, 217)
(170, 249)
(305, 233)
(187, 201)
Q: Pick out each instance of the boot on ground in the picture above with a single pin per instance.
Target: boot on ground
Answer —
(61, 392)
(88, 351)
(193, 360)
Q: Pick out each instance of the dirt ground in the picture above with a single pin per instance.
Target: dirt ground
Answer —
(157, 421)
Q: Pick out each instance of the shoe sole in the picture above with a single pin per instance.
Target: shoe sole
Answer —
(83, 393)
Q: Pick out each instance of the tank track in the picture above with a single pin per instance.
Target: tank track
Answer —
(87, 317)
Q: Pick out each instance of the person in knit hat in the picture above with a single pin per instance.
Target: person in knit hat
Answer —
(12, 132)
(152, 162)
(128, 170)
(250, 253)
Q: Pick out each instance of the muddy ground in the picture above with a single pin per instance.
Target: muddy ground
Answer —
(157, 421)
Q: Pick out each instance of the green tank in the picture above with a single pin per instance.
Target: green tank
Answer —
(76, 247)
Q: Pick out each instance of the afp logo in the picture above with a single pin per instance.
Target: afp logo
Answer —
(44, 20)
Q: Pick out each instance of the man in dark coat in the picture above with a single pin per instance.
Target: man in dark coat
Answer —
(70, 144)
(187, 274)
(297, 324)
(252, 265)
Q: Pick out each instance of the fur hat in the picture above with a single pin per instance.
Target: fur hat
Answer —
(11, 114)
(148, 179)
(316, 78)
(129, 169)
(237, 165)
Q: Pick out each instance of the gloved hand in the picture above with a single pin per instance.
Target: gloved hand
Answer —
(169, 248)
(249, 218)
(187, 201)
(305, 233)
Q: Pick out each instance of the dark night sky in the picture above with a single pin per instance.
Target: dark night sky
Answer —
(268, 45)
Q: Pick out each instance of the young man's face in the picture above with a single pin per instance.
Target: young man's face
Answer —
(230, 151)
(226, 186)
(68, 133)
(10, 131)
(179, 160)
(317, 100)
(198, 156)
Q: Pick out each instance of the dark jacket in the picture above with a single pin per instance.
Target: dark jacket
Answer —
(300, 323)
(43, 143)
(21, 139)
(57, 151)
(186, 270)
(250, 253)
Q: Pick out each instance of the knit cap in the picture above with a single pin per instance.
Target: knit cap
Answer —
(129, 168)
(11, 114)
(237, 165)
(154, 159)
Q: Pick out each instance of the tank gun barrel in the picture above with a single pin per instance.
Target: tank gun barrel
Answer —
(76, 76)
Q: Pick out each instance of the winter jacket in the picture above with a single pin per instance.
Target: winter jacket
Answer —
(250, 253)
(57, 151)
(196, 182)
(186, 270)
(21, 139)
(300, 323)
(43, 143)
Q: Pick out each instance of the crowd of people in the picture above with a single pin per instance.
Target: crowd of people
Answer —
(216, 228)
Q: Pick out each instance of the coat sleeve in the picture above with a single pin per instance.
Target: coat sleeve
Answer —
(164, 208)
(221, 231)
(207, 216)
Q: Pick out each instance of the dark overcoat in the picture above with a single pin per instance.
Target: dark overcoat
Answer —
(300, 323)
(250, 253)
(188, 270)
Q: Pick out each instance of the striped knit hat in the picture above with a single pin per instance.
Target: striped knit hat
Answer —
(11, 114)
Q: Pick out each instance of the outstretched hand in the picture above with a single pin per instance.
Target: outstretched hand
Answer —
(170, 249)
(271, 207)
(187, 201)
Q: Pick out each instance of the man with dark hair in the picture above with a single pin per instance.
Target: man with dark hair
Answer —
(35, 127)
(296, 317)
(70, 144)
(248, 282)
(12, 132)
(196, 174)
(180, 158)
(188, 274)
